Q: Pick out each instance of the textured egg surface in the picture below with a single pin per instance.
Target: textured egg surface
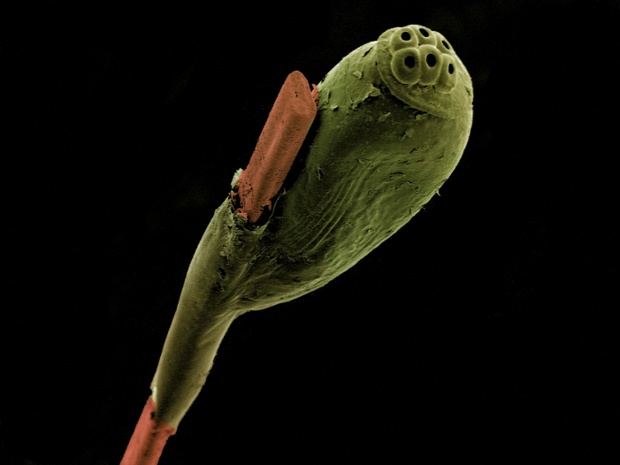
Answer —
(394, 118)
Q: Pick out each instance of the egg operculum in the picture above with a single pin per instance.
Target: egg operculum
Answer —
(420, 67)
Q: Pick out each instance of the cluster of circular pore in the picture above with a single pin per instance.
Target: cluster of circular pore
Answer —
(421, 56)
(420, 67)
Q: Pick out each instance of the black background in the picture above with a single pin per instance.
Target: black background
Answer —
(482, 332)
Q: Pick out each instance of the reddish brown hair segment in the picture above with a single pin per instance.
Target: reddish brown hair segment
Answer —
(148, 439)
(279, 142)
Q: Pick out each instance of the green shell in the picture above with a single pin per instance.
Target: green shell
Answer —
(391, 127)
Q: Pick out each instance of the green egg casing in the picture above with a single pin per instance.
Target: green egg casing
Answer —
(394, 119)
(382, 150)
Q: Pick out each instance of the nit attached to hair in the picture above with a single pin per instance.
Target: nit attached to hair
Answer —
(265, 246)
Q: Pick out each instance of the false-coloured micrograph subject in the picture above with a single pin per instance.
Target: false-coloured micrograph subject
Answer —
(387, 126)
